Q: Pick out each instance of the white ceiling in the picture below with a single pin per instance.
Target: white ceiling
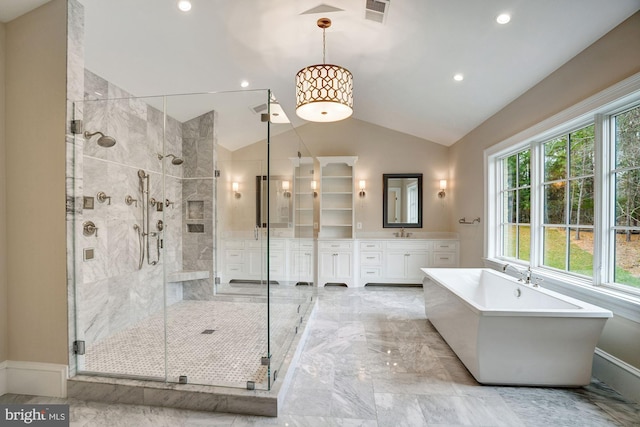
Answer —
(403, 69)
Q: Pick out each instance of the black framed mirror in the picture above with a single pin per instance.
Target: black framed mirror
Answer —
(402, 200)
(280, 206)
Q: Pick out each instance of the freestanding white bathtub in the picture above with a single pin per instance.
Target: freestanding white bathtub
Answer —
(507, 332)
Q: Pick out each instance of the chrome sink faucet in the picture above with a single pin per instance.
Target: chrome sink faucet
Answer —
(401, 233)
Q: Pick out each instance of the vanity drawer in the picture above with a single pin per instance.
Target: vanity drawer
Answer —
(262, 244)
(305, 245)
(335, 245)
(370, 258)
(234, 256)
(444, 259)
(233, 269)
(370, 246)
(445, 245)
(369, 273)
(408, 244)
(234, 244)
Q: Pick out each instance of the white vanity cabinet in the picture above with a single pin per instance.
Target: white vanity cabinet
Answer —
(371, 256)
(400, 260)
(245, 259)
(404, 258)
(336, 262)
(445, 253)
(301, 260)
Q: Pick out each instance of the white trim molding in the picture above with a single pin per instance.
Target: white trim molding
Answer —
(621, 376)
(33, 378)
(3, 378)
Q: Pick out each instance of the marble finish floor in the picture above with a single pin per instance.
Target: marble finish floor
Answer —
(372, 359)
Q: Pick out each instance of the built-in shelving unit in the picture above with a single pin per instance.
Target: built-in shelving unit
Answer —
(336, 196)
(303, 202)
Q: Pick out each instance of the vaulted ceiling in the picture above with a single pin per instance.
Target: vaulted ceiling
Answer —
(403, 67)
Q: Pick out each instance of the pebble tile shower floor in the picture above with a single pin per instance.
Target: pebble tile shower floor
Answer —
(230, 355)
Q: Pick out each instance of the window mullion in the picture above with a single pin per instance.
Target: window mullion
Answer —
(602, 258)
(537, 204)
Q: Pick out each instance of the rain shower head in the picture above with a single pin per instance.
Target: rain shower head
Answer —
(174, 161)
(103, 141)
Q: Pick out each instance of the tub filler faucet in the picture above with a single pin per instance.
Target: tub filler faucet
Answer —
(525, 276)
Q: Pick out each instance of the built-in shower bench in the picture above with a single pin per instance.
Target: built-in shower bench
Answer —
(186, 275)
(194, 284)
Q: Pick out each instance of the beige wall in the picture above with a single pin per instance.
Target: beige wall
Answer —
(379, 150)
(35, 152)
(611, 59)
(3, 215)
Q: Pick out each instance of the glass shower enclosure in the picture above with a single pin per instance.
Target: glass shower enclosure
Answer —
(185, 244)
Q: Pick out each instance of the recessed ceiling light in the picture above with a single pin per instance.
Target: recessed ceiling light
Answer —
(458, 77)
(244, 83)
(503, 18)
(184, 5)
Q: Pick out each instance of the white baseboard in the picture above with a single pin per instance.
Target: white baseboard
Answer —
(33, 378)
(3, 378)
(621, 376)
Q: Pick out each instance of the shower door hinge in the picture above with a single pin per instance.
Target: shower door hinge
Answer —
(264, 117)
(216, 280)
(76, 126)
(78, 347)
(264, 361)
(217, 173)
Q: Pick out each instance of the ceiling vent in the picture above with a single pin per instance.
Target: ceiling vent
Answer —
(258, 109)
(376, 10)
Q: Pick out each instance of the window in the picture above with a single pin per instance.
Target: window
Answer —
(564, 195)
(568, 187)
(626, 176)
(515, 199)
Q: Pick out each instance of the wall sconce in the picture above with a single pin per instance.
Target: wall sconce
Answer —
(362, 186)
(314, 186)
(443, 186)
(234, 187)
(285, 189)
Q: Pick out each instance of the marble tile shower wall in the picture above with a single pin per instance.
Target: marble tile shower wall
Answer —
(114, 293)
(198, 149)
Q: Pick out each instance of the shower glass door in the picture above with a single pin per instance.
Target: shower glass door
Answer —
(118, 263)
(217, 333)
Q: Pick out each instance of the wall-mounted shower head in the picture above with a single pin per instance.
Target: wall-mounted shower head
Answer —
(103, 141)
(174, 161)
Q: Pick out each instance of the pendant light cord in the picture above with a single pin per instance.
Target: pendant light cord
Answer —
(324, 45)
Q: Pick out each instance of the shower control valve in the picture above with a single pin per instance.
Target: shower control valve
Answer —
(89, 228)
(168, 203)
(130, 200)
(102, 196)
